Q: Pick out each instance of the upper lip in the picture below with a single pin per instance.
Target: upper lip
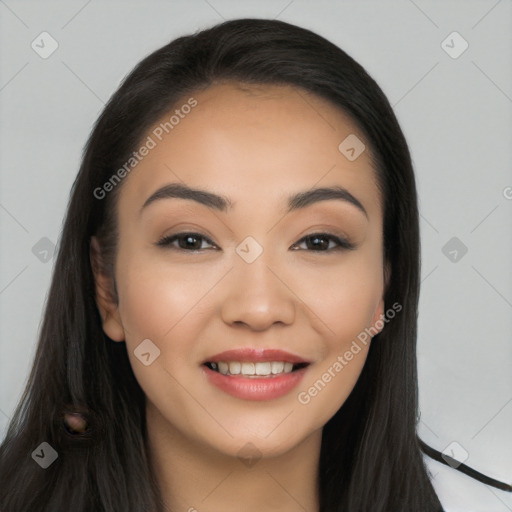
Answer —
(256, 355)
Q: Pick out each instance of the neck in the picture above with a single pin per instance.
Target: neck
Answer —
(194, 477)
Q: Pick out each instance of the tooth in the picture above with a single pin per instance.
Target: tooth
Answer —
(252, 369)
(277, 367)
(248, 369)
(262, 368)
(234, 368)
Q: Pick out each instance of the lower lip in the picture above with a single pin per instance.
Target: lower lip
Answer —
(262, 388)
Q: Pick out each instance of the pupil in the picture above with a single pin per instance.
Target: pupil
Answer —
(320, 245)
(189, 239)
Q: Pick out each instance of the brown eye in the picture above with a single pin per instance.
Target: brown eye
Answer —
(320, 242)
(186, 241)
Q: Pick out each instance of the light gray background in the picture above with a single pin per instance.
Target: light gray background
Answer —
(456, 114)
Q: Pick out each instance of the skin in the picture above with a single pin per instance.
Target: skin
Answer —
(256, 145)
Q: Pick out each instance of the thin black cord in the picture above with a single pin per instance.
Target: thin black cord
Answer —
(436, 455)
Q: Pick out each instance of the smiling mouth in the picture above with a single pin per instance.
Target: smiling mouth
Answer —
(256, 370)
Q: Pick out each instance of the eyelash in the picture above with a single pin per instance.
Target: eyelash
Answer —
(343, 244)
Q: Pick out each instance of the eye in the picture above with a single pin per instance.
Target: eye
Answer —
(320, 242)
(186, 241)
(316, 242)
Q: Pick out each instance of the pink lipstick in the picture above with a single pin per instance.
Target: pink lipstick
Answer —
(255, 374)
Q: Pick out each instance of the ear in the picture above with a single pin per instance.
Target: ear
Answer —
(105, 294)
(377, 320)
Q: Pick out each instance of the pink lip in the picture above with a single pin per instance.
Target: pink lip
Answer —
(259, 388)
(256, 355)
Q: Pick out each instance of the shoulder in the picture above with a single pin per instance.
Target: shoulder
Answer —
(458, 492)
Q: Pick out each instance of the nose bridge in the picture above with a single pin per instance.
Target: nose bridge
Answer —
(255, 295)
(252, 264)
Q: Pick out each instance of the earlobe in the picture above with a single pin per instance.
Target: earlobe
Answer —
(105, 294)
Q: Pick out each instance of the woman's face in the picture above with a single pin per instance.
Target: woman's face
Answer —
(246, 274)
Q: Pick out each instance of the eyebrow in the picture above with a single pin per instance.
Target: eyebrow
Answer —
(223, 203)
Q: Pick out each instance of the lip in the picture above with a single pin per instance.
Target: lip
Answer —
(262, 388)
(255, 355)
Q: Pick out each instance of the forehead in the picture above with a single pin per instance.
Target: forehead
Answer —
(253, 143)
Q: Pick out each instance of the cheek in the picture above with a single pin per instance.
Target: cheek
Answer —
(155, 297)
(326, 390)
(163, 304)
(343, 297)
(345, 301)
(171, 306)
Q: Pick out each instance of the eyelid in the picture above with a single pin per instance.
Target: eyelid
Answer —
(166, 240)
(343, 242)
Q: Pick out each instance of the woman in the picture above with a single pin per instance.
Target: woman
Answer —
(232, 315)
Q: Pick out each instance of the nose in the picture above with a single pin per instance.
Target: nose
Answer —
(257, 296)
